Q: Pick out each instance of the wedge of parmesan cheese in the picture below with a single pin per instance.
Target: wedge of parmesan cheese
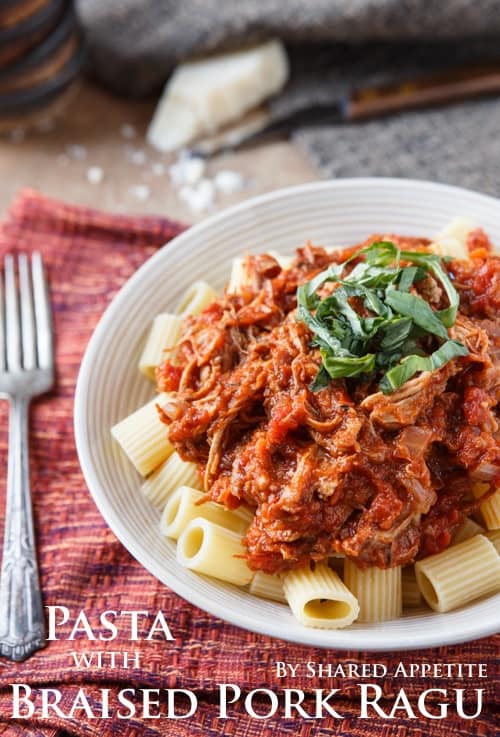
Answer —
(203, 96)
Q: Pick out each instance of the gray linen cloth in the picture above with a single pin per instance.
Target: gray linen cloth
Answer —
(335, 46)
(459, 145)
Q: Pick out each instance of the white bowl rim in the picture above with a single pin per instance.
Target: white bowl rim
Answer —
(474, 628)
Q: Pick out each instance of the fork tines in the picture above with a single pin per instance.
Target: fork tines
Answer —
(25, 323)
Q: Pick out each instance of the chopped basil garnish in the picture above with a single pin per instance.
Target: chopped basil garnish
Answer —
(410, 365)
(387, 335)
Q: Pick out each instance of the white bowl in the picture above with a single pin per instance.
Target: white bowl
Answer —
(109, 386)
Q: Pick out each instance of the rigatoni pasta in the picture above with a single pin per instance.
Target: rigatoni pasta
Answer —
(494, 537)
(411, 594)
(163, 334)
(238, 276)
(196, 298)
(490, 508)
(459, 574)
(378, 591)
(208, 548)
(185, 504)
(243, 276)
(318, 598)
(267, 586)
(467, 529)
(174, 472)
(336, 563)
(284, 261)
(143, 437)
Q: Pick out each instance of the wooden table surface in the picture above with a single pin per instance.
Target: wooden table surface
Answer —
(47, 160)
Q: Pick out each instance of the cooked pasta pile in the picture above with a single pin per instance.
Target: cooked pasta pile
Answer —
(333, 427)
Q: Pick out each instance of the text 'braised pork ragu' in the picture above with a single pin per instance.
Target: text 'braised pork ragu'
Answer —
(349, 399)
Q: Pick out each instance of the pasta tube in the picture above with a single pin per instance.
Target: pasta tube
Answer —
(267, 587)
(197, 297)
(143, 437)
(238, 277)
(185, 504)
(241, 276)
(164, 334)
(490, 509)
(459, 574)
(467, 529)
(336, 563)
(169, 476)
(378, 591)
(494, 537)
(284, 261)
(215, 551)
(318, 598)
(411, 594)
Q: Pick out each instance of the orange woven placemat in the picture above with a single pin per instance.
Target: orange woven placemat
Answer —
(89, 256)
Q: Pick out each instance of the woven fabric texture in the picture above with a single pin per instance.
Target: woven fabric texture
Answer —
(134, 44)
(89, 256)
(455, 145)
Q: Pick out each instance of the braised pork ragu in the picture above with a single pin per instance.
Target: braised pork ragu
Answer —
(382, 477)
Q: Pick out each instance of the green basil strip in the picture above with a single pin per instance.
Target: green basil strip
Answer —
(407, 277)
(373, 303)
(339, 367)
(372, 277)
(332, 273)
(409, 366)
(419, 311)
(395, 333)
(448, 316)
(371, 299)
(402, 319)
(381, 253)
(340, 303)
(432, 263)
(321, 332)
(321, 380)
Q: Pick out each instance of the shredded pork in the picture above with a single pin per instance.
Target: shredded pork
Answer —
(381, 478)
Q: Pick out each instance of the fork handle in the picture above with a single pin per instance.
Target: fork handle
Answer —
(22, 627)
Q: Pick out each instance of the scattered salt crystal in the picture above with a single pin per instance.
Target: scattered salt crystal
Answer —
(176, 174)
(199, 197)
(187, 170)
(95, 174)
(17, 135)
(158, 169)
(76, 151)
(137, 157)
(140, 191)
(188, 176)
(228, 181)
(128, 131)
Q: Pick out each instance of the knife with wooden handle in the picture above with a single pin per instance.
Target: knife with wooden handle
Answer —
(453, 85)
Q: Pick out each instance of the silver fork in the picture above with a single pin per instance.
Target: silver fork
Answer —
(26, 370)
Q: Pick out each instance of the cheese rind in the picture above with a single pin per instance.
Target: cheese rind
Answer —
(203, 96)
